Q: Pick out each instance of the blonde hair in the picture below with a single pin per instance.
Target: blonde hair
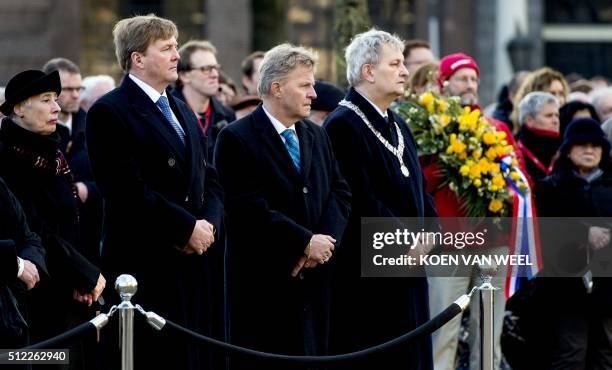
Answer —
(137, 33)
(424, 78)
(538, 80)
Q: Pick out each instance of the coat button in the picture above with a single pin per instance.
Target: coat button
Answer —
(171, 162)
(305, 190)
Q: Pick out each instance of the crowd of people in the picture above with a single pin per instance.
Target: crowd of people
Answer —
(239, 213)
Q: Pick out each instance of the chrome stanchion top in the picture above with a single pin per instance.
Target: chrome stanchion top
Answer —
(126, 285)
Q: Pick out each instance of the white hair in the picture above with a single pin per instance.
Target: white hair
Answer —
(91, 82)
(596, 99)
(365, 48)
(533, 102)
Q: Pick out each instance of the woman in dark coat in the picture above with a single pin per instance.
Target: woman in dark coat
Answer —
(22, 262)
(578, 310)
(36, 171)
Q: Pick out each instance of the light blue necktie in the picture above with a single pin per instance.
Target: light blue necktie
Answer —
(163, 104)
(292, 147)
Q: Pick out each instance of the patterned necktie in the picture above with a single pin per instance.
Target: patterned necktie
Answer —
(163, 104)
(292, 147)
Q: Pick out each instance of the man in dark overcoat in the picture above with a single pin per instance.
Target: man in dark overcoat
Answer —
(163, 203)
(287, 206)
(369, 311)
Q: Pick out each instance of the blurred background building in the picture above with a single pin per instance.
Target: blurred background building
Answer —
(503, 36)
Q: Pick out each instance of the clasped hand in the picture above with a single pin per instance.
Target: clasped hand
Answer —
(318, 251)
(201, 239)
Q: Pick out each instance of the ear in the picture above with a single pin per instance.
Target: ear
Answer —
(367, 71)
(276, 89)
(18, 110)
(528, 120)
(136, 58)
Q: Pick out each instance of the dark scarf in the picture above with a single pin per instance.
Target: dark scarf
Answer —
(39, 152)
(543, 144)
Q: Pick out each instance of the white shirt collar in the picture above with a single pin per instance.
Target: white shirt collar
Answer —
(278, 125)
(67, 123)
(383, 114)
(150, 91)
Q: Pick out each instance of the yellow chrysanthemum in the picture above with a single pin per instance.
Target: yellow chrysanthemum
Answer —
(489, 138)
(514, 175)
(431, 107)
(445, 119)
(464, 170)
(495, 205)
(477, 183)
(491, 154)
(498, 180)
(485, 165)
(456, 146)
(442, 105)
(475, 172)
(426, 98)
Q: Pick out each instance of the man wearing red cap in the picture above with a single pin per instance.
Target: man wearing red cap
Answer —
(459, 76)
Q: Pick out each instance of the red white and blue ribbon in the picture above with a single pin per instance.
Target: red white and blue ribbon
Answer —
(525, 239)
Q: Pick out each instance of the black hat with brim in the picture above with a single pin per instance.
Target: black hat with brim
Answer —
(27, 84)
(582, 131)
(328, 96)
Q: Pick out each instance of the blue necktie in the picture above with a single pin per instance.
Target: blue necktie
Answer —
(292, 147)
(163, 104)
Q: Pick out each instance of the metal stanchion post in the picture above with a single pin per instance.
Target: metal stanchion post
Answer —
(487, 291)
(126, 286)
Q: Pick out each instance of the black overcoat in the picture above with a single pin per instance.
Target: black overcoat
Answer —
(50, 206)
(369, 311)
(154, 189)
(16, 239)
(272, 212)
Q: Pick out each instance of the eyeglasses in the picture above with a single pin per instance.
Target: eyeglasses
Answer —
(79, 89)
(466, 79)
(206, 69)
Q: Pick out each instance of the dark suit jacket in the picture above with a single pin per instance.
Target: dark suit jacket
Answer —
(155, 188)
(272, 212)
(389, 307)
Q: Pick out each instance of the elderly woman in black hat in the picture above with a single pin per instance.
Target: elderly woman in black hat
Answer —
(578, 310)
(36, 171)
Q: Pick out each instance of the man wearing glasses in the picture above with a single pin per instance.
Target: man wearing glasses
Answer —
(71, 117)
(197, 85)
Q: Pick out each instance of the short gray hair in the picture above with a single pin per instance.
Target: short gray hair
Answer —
(597, 96)
(365, 49)
(279, 62)
(607, 129)
(533, 102)
(90, 83)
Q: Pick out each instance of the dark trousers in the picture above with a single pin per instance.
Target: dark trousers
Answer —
(581, 340)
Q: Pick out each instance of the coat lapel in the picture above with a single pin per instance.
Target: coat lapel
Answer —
(152, 116)
(272, 140)
(379, 123)
(306, 142)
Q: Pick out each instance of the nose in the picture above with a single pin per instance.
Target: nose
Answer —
(404, 71)
(56, 107)
(312, 94)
